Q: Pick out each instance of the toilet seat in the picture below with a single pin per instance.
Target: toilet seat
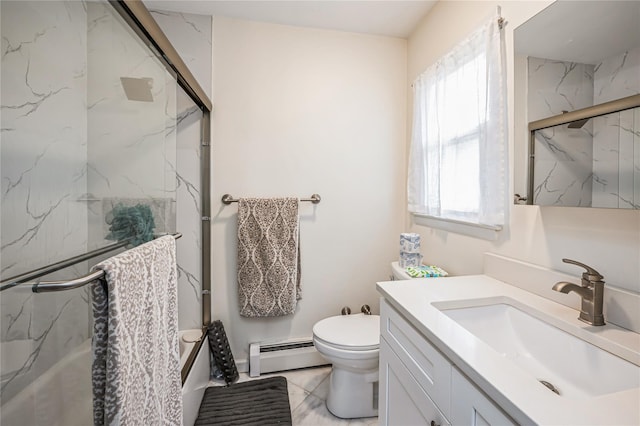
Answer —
(361, 357)
(351, 343)
(357, 332)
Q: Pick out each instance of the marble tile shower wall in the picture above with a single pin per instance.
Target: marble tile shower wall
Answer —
(192, 38)
(43, 159)
(131, 157)
(72, 146)
(581, 166)
(43, 112)
(188, 215)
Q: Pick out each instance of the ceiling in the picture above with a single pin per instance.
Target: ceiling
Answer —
(394, 18)
(581, 31)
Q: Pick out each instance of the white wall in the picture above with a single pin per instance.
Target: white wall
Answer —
(301, 111)
(608, 240)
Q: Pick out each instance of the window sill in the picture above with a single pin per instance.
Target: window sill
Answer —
(476, 230)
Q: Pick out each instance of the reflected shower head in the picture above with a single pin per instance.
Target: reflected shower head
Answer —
(137, 89)
(578, 123)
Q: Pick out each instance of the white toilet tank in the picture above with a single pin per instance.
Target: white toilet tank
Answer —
(398, 273)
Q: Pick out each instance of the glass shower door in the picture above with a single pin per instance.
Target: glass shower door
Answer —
(97, 138)
(44, 339)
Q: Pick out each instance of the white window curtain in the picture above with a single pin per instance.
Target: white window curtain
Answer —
(458, 157)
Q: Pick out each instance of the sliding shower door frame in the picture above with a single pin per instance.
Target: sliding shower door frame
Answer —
(142, 23)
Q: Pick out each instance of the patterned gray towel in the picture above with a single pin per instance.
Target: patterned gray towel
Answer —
(136, 358)
(268, 256)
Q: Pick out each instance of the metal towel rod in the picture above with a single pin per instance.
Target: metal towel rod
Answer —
(228, 199)
(51, 286)
(46, 270)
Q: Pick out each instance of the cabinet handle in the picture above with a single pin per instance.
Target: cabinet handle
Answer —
(433, 423)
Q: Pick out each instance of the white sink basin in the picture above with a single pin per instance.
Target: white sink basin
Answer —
(575, 368)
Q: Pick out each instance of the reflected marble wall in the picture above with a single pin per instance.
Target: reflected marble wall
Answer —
(616, 137)
(617, 77)
(597, 165)
(563, 156)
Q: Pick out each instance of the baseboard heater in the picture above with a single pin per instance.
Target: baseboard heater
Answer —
(281, 356)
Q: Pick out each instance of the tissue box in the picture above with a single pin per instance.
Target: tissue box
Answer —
(410, 259)
(409, 243)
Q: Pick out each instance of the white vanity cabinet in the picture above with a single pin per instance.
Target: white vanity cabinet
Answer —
(403, 400)
(420, 386)
(469, 406)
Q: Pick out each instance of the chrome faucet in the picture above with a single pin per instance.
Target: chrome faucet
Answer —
(591, 291)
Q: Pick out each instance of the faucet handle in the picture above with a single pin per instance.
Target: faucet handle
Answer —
(590, 275)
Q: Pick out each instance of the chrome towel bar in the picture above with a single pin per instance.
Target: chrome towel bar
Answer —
(51, 286)
(46, 270)
(228, 199)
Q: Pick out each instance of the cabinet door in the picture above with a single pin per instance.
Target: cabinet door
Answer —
(469, 406)
(403, 402)
(427, 365)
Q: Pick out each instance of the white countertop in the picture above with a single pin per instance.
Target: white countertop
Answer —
(516, 391)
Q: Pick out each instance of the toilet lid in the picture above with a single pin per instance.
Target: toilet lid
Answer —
(356, 332)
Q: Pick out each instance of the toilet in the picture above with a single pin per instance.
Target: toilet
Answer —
(399, 273)
(351, 343)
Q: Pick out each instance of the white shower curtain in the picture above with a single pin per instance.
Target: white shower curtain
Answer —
(458, 157)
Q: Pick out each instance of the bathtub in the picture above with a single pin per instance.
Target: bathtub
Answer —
(62, 395)
(194, 385)
(59, 396)
(188, 339)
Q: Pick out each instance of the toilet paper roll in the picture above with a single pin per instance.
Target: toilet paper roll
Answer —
(410, 243)
(410, 259)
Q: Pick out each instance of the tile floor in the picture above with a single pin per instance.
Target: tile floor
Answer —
(307, 394)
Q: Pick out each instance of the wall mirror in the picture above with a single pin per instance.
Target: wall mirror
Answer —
(577, 105)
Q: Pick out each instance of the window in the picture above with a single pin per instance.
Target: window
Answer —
(457, 164)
